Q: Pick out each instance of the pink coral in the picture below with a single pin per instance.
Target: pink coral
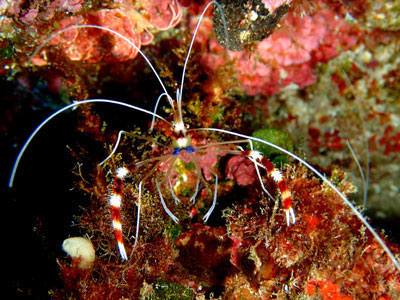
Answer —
(83, 44)
(163, 14)
(134, 21)
(242, 170)
(290, 54)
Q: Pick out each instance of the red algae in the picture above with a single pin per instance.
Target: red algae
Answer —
(253, 256)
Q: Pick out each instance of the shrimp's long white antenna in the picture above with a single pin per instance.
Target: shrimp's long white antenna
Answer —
(156, 106)
(113, 32)
(330, 184)
(366, 178)
(179, 100)
(138, 214)
(228, 43)
(72, 105)
(365, 186)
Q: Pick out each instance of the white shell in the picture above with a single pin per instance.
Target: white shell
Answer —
(82, 249)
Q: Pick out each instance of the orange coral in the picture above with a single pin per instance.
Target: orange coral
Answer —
(134, 21)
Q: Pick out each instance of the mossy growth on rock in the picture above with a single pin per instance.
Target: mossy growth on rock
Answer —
(274, 136)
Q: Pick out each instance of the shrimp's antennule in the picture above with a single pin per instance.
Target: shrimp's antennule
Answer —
(179, 92)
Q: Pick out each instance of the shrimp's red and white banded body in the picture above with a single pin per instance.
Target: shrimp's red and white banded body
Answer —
(115, 205)
(280, 181)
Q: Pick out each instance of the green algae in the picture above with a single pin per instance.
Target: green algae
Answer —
(274, 136)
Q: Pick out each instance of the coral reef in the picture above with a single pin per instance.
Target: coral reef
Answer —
(353, 99)
(327, 74)
(289, 55)
(349, 64)
(253, 255)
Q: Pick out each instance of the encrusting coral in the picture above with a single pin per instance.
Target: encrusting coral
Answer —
(290, 54)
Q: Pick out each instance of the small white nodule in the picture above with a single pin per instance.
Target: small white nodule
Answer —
(80, 249)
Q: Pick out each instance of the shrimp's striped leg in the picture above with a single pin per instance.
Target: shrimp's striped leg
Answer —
(115, 204)
(280, 181)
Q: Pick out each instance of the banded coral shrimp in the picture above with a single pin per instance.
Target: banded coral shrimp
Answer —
(182, 143)
(258, 255)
